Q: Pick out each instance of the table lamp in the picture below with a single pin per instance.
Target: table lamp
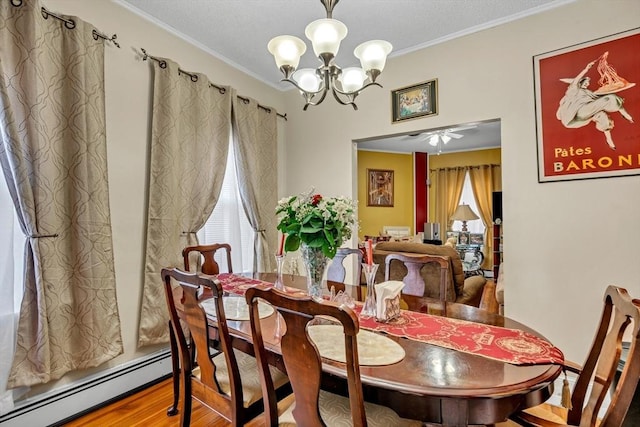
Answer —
(464, 213)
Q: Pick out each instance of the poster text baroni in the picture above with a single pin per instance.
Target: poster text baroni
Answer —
(580, 160)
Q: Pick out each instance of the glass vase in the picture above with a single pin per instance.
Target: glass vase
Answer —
(279, 284)
(315, 263)
(369, 308)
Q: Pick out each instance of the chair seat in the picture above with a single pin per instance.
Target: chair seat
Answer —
(336, 412)
(550, 414)
(248, 367)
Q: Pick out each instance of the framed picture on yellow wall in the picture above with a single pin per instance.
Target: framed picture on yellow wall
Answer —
(379, 187)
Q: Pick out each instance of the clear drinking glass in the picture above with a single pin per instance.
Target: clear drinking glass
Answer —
(369, 308)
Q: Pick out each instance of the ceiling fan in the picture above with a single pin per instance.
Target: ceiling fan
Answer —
(437, 138)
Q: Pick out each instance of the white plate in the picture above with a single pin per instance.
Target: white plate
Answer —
(373, 349)
(236, 308)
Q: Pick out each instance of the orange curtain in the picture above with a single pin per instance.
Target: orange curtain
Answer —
(448, 184)
(486, 179)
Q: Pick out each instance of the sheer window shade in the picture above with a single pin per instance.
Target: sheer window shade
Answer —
(11, 266)
(476, 226)
(228, 224)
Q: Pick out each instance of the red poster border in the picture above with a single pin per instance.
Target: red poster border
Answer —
(573, 151)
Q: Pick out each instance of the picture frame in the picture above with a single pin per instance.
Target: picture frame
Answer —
(476, 239)
(380, 187)
(464, 238)
(583, 95)
(412, 102)
(453, 234)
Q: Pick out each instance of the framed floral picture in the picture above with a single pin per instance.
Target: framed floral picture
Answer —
(415, 101)
(379, 187)
(586, 96)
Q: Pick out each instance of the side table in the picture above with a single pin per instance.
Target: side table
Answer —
(473, 267)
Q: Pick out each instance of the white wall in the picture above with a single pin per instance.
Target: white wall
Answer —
(128, 110)
(564, 242)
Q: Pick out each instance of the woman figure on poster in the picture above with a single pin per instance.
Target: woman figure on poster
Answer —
(580, 106)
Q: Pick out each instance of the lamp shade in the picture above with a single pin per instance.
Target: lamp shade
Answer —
(326, 35)
(373, 54)
(287, 50)
(352, 79)
(307, 79)
(464, 213)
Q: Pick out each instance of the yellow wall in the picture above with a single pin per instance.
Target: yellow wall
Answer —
(373, 218)
(466, 158)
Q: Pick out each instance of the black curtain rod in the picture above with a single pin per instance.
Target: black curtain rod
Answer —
(194, 78)
(465, 167)
(69, 23)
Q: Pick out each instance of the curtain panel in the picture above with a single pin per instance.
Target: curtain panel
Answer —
(255, 139)
(448, 183)
(191, 127)
(54, 159)
(486, 179)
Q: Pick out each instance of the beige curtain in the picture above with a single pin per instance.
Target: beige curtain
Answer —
(485, 180)
(448, 184)
(53, 155)
(255, 139)
(189, 144)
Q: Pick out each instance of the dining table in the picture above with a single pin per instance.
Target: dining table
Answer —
(445, 385)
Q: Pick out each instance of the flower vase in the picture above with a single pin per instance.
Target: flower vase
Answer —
(315, 262)
(369, 308)
(279, 285)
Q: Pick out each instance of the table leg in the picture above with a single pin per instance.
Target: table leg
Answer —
(455, 413)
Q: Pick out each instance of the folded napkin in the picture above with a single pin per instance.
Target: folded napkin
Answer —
(388, 300)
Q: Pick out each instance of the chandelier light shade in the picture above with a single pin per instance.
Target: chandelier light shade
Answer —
(325, 36)
(464, 213)
(287, 50)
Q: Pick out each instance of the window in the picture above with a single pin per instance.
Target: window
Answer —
(11, 262)
(229, 224)
(476, 226)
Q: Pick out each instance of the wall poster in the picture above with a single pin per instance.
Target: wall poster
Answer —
(588, 109)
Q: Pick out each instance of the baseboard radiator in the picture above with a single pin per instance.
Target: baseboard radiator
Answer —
(53, 407)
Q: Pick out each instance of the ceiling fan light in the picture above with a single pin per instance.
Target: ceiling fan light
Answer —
(352, 79)
(307, 79)
(326, 35)
(433, 140)
(445, 138)
(373, 54)
(287, 50)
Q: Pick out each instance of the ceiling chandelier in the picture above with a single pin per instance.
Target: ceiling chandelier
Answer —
(325, 36)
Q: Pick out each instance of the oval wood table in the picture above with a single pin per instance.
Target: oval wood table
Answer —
(433, 384)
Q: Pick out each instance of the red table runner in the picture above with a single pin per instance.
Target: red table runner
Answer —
(494, 342)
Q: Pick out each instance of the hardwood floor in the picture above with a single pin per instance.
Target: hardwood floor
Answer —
(148, 408)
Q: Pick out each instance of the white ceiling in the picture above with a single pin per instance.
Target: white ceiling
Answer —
(237, 31)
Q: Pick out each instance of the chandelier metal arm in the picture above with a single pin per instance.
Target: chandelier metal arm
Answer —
(351, 98)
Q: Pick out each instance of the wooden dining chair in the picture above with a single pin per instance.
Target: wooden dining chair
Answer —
(207, 253)
(225, 380)
(621, 315)
(413, 281)
(312, 407)
(207, 265)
